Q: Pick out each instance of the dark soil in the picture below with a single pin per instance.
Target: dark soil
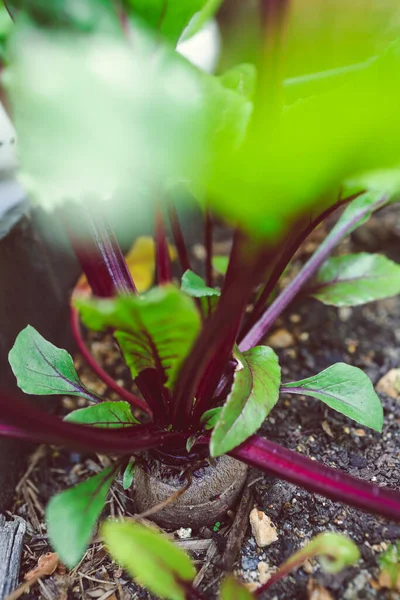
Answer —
(367, 337)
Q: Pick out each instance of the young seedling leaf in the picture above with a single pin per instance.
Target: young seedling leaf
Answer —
(42, 368)
(154, 331)
(232, 589)
(210, 418)
(71, 516)
(193, 285)
(150, 557)
(220, 264)
(347, 390)
(335, 551)
(254, 393)
(106, 414)
(389, 562)
(355, 279)
(128, 475)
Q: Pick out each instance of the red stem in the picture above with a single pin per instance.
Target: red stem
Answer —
(284, 260)
(208, 235)
(178, 237)
(163, 262)
(97, 369)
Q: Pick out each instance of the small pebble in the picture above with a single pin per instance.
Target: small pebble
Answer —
(262, 528)
(184, 533)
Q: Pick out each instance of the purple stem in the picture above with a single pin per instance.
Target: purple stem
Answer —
(163, 262)
(178, 237)
(208, 237)
(315, 477)
(98, 252)
(283, 261)
(262, 327)
(43, 427)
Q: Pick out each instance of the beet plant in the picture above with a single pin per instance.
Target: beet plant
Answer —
(104, 107)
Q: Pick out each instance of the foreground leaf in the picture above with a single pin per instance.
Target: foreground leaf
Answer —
(347, 390)
(254, 393)
(389, 562)
(220, 264)
(71, 516)
(355, 279)
(154, 331)
(150, 557)
(232, 589)
(42, 368)
(105, 414)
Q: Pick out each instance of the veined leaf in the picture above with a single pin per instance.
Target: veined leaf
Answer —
(347, 390)
(155, 331)
(140, 550)
(232, 589)
(106, 414)
(254, 393)
(128, 475)
(71, 516)
(42, 368)
(193, 285)
(355, 279)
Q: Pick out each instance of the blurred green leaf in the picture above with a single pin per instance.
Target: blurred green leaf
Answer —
(220, 264)
(106, 414)
(271, 178)
(355, 279)
(347, 390)
(254, 393)
(241, 79)
(97, 116)
(169, 17)
(71, 516)
(129, 472)
(232, 589)
(210, 7)
(42, 368)
(389, 562)
(150, 557)
(158, 327)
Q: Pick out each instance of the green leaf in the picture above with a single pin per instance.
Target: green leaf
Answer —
(170, 18)
(128, 475)
(130, 142)
(200, 18)
(389, 562)
(345, 131)
(156, 330)
(193, 285)
(347, 390)
(355, 279)
(220, 264)
(42, 368)
(254, 393)
(71, 516)
(210, 417)
(106, 414)
(232, 589)
(150, 557)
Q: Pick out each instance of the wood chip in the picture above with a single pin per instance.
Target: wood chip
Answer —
(317, 592)
(326, 427)
(262, 528)
(389, 384)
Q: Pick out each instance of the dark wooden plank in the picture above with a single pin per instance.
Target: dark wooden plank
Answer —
(11, 541)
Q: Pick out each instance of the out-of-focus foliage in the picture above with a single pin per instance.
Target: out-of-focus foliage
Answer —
(6, 26)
